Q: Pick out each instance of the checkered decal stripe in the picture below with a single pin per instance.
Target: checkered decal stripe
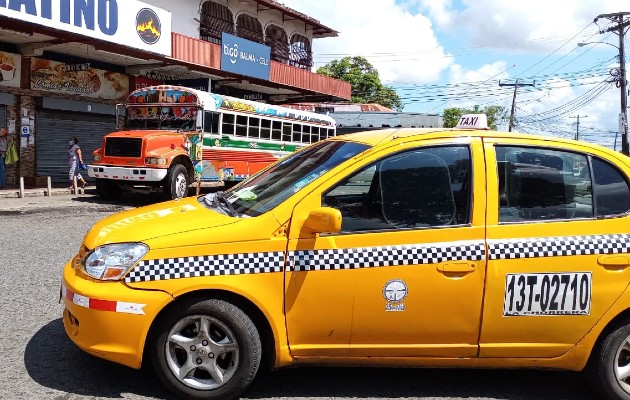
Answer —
(222, 264)
(387, 256)
(558, 246)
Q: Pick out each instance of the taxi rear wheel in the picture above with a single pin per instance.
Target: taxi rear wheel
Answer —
(610, 366)
(206, 349)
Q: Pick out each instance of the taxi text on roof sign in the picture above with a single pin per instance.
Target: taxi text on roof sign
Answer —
(473, 121)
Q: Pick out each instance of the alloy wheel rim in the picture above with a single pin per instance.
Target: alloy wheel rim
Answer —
(202, 352)
(622, 365)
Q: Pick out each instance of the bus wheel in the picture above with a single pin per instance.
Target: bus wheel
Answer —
(176, 184)
(107, 189)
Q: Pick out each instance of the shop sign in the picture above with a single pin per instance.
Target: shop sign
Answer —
(202, 84)
(10, 67)
(140, 82)
(245, 57)
(130, 22)
(52, 76)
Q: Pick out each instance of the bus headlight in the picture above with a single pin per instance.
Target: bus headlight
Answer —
(155, 161)
(97, 157)
(111, 261)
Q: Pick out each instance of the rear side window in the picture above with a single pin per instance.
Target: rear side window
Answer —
(612, 195)
(538, 184)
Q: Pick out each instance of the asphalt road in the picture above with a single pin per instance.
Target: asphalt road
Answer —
(38, 361)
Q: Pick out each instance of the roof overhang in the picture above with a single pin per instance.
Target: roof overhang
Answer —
(319, 30)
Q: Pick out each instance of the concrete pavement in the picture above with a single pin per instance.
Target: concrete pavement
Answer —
(59, 199)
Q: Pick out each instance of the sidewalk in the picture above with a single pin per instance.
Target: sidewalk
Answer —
(60, 200)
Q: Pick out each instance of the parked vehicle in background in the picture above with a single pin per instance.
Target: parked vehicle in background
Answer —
(434, 247)
(175, 136)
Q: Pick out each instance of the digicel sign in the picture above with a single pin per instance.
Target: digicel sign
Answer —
(129, 22)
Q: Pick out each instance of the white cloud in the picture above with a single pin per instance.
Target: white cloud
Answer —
(534, 25)
(481, 39)
(399, 44)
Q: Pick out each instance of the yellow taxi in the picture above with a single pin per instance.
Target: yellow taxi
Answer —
(458, 247)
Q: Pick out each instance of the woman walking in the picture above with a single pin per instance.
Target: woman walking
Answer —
(75, 159)
(4, 143)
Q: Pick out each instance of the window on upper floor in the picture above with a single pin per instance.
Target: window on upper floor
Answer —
(276, 38)
(300, 52)
(215, 19)
(248, 27)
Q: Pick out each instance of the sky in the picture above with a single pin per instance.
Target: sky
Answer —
(438, 54)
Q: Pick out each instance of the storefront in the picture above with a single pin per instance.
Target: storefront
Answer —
(59, 120)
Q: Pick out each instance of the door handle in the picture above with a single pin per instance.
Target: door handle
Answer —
(456, 267)
(615, 261)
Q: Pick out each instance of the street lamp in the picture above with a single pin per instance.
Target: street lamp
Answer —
(623, 126)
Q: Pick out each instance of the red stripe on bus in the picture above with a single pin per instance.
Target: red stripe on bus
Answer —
(228, 155)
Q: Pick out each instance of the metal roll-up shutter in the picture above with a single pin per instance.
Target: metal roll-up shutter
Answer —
(3, 116)
(53, 130)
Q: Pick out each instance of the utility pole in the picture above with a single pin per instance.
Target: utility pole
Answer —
(622, 82)
(577, 128)
(516, 85)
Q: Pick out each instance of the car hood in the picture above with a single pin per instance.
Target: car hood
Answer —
(156, 221)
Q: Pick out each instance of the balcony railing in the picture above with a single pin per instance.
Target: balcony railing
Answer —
(199, 52)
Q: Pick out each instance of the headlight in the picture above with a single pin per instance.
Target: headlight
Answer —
(112, 261)
(155, 160)
(97, 157)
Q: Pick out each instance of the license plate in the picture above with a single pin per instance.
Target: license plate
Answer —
(548, 294)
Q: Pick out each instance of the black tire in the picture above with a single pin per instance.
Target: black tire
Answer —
(176, 182)
(232, 349)
(107, 189)
(612, 354)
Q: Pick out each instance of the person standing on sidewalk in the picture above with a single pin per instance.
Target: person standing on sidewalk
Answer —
(75, 160)
(4, 143)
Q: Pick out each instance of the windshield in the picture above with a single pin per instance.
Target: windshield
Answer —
(152, 117)
(272, 186)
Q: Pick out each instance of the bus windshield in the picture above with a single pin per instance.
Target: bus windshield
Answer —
(274, 185)
(154, 117)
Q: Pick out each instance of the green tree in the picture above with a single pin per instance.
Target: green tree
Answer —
(363, 77)
(496, 115)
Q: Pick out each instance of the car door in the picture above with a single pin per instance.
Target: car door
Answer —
(558, 246)
(405, 275)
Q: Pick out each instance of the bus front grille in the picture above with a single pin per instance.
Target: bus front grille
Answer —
(123, 147)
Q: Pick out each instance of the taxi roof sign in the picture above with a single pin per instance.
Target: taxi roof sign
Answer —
(473, 121)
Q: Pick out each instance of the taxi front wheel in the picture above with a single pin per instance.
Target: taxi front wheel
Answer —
(610, 366)
(206, 349)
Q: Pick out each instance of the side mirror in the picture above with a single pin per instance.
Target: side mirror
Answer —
(324, 220)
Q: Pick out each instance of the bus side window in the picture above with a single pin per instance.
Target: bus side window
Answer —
(286, 131)
(241, 125)
(227, 128)
(211, 122)
(265, 129)
(297, 133)
(315, 134)
(253, 128)
(276, 130)
(306, 134)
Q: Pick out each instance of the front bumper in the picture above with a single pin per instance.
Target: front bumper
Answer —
(133, 174)
(109, 319)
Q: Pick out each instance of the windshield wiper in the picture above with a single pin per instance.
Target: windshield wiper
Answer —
(220, 200)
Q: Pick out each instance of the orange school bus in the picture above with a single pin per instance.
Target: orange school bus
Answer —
(175, 136)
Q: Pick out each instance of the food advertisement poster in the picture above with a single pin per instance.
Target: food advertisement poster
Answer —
(10, 66)
(82, 80)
